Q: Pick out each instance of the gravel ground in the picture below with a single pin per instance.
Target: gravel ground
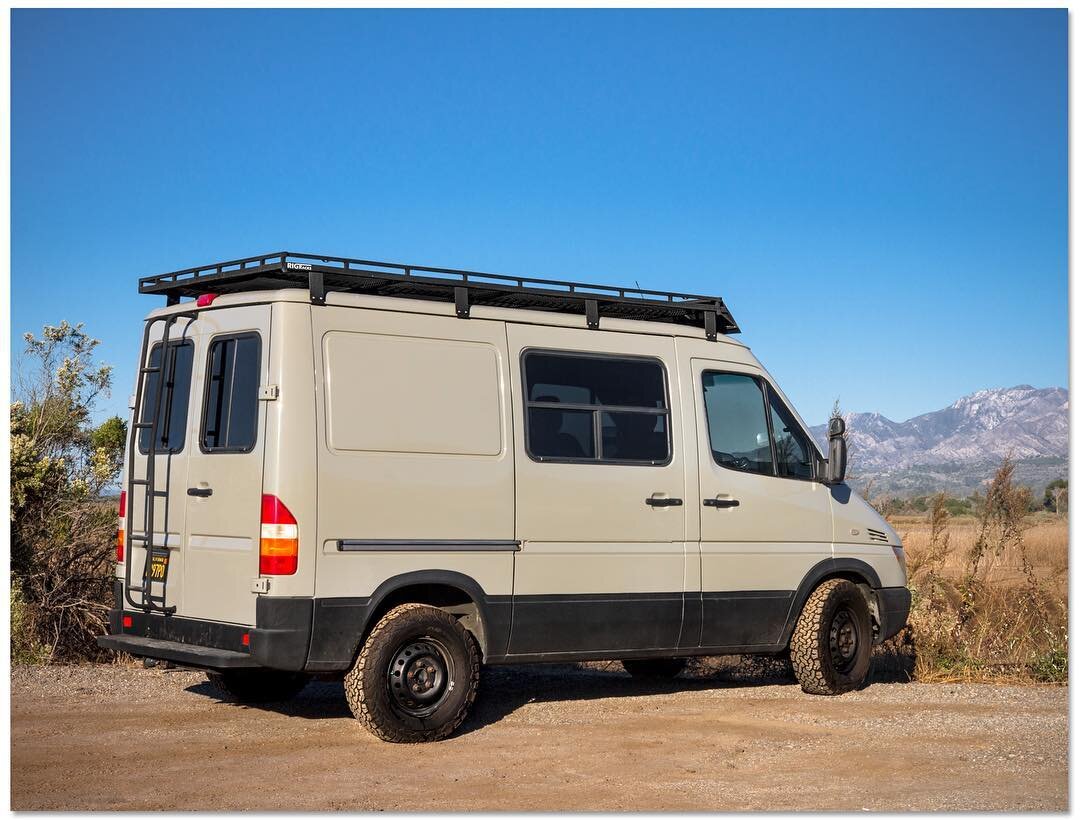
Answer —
(721, 737)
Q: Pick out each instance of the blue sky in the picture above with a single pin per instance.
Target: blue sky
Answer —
(880, 196)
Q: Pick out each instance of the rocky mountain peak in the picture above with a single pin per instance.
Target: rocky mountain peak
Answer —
(1026, 422)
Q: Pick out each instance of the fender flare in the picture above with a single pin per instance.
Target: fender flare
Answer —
(829, 567)
(442, 577)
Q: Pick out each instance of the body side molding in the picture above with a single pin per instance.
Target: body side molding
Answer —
(428, 545)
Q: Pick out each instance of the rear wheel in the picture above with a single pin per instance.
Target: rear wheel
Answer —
(258, 685)
(830, 647)
(415, 677)
(655, 668)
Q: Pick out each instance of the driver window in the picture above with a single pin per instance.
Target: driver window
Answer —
(738, 429)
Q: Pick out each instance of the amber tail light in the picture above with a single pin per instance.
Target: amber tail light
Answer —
(278, 542)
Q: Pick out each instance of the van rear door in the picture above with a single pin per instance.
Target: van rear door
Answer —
(223, 494)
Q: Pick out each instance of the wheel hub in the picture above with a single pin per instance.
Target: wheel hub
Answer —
(843, 640)
(419, 677)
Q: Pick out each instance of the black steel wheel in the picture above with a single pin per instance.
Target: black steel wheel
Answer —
(416, 675)
(843, 640)
(419, 677)
(831, 644)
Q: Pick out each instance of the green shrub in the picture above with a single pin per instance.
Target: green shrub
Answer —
(62, 531)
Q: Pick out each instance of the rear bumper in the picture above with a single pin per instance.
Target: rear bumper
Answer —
(279, 639)
(894, 605)
(199, 657)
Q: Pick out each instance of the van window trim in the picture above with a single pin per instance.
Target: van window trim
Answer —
(177, 344)
(597, 409)
(808, 440)
(206, 393)
(766, 388)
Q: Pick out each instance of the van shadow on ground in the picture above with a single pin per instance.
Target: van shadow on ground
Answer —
(505, 689)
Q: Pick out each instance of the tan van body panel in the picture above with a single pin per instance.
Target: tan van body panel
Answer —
(413, 414)
(395, 434)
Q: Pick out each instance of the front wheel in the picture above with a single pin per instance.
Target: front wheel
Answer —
(415, 677)
(830, 647)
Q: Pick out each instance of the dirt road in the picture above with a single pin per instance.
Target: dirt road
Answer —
(121, 737)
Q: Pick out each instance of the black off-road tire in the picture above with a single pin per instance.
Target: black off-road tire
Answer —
(258, 685)
(818, 644)
(654, 668)
(389, 659)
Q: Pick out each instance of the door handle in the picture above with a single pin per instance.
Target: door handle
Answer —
(653, 501)
(721, 502)
(200, 492)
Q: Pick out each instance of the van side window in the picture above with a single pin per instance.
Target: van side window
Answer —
(170, 418)
(791, 447)
(582, 407)
(231, 411)
(738, 428)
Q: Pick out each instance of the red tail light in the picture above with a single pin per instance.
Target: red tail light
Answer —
(120, 527)
(279, 541)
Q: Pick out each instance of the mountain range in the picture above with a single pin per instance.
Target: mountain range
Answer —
(958, 447)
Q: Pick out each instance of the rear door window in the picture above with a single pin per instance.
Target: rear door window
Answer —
(231, 409)
(167, 405)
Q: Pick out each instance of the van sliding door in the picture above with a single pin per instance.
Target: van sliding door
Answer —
(599, 494)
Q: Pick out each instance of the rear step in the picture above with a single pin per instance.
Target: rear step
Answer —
(184, 654)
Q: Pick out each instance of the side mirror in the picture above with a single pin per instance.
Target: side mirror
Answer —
(836, 467)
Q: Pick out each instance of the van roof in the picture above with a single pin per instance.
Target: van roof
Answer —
(465, 289)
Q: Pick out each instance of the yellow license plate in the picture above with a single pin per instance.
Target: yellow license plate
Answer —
(159, 565)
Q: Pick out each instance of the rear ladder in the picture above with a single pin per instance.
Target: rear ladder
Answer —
(166, 366)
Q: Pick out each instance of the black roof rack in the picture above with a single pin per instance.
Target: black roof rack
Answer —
(322, 274)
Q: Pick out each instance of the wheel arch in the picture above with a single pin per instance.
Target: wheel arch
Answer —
(851, 569)
(453, 592)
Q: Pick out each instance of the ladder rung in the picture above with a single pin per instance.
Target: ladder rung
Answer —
(140, 481)
(143, 425)
(149, 369)
(136, 537)
(160, 493)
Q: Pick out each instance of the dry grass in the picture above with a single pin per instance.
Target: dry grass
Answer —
(1046, 538)
(989, 593)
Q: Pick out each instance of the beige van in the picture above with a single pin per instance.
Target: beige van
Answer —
(397, 473)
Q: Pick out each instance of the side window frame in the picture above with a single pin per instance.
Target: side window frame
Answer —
(762, 388)
(811, 450)
(247, 334)
(175, 344)
(597, 410)
(767, 392)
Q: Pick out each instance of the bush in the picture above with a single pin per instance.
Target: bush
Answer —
(62, 530)
(965, 626)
